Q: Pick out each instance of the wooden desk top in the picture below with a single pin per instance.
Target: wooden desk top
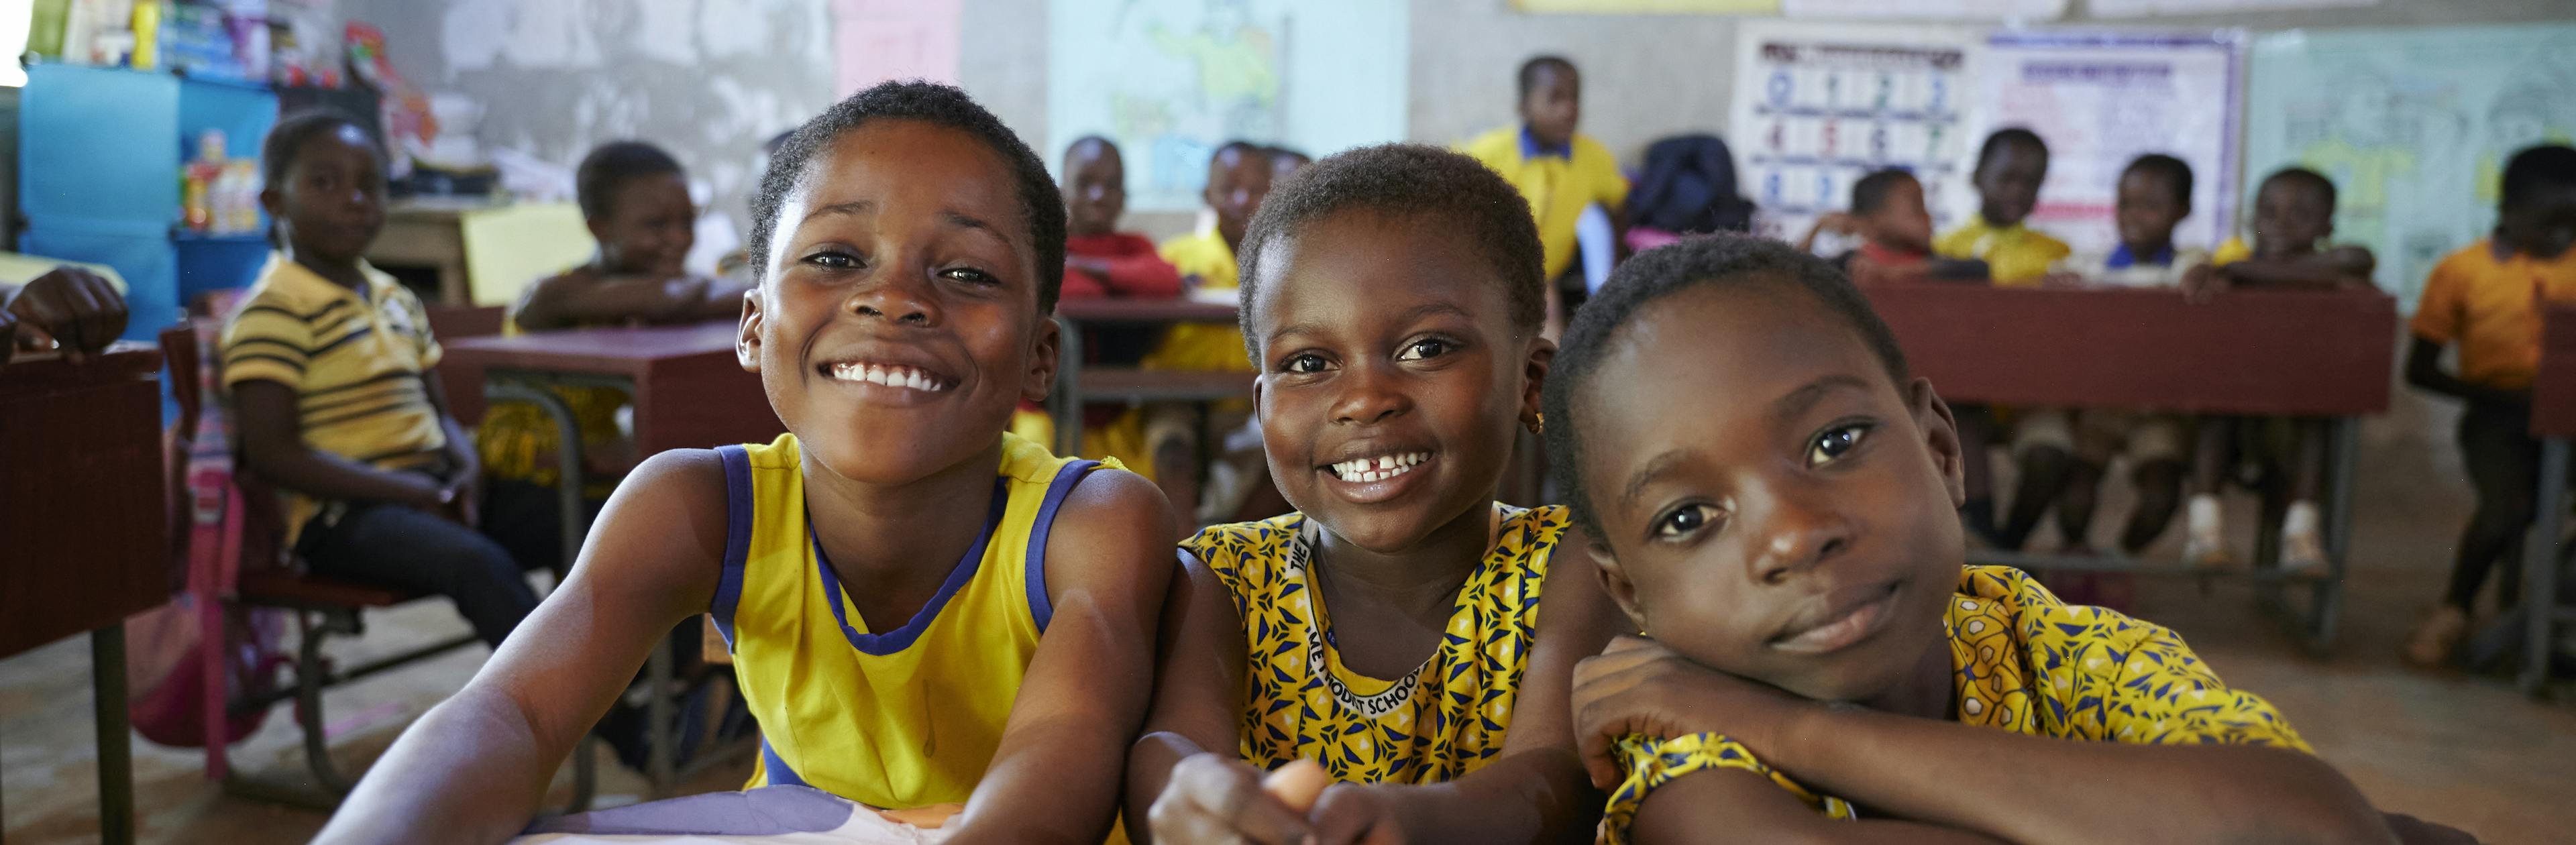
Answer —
(84, 508)
(626, 352)
(2249, 352)
(2553, 391)
(1114, 310)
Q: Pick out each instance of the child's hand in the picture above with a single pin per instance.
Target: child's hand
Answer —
(80, 310)
(1838, 223)
(2202, 283)
(1216, 798)
(1637, 686)
(2062, 280)
(1354, 813)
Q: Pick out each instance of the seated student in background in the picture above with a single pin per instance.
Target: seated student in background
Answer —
(2293, 217)
(923, 609)
(1100, 261)
(2076, 446)
(2010, 167)
(1238, 177)
(635, 198)
(1566, 176)
(1773, 497)
(1888, 215)
(2487, 299)
(1403, 629)
(330, 365)
(68, 308)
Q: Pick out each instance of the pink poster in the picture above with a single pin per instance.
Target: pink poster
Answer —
(877, 40)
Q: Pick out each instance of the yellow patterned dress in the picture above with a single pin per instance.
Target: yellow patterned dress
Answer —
(1442, 721)
(2026, 663)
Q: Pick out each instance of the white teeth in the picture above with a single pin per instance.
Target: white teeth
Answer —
(1380, 468)
(889, 376)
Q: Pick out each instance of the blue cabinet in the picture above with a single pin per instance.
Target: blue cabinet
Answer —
(99, 153)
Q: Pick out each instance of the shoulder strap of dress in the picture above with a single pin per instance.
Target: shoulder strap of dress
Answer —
(739, 513)
(1040, 608)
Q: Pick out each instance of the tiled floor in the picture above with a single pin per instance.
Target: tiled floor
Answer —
(2464, 750)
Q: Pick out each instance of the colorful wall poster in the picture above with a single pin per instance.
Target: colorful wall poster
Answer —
(2414, 126)
(1818, 106)
(2100, 100)
(1952, 10)
(1171, 80)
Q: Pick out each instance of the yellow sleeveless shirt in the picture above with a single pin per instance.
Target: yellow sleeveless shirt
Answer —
(903, 718)
(1446, 719)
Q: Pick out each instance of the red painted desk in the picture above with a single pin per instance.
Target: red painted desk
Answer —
(689, 393)
(1075, 383)
(2553, 420)
(2258, 353)
(84, 527)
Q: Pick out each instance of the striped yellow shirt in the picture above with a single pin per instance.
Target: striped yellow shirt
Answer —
(356, 360)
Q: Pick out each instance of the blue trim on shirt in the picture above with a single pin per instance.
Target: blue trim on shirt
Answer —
(1531, 148)
(2121, 258)
(901, 638)
(738, 517)
(779, 773)
(1041, 608)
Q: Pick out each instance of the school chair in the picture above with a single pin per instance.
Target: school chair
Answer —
(238, 559)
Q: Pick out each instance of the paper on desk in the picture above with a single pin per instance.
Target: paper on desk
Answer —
(1217, 296)
(773, 815)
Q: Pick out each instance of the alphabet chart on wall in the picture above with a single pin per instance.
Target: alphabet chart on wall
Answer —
(1819, 106)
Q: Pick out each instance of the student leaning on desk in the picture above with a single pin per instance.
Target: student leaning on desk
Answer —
(77, 309)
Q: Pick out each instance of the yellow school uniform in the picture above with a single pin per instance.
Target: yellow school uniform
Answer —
(2488, 300)
(2017, 255)
(1436, 724)
(517, 440)
(1557, 183)
(356, 359)
(2234, 250)
(895, 719)
(1197, 346)
(2026, 663)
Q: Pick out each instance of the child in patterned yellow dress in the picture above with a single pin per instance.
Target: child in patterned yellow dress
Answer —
(1773, 496)
(1392, 629)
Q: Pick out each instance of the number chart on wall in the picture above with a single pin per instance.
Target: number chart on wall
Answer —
(1817, 107)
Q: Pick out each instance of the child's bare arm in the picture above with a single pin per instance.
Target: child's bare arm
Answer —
(2337, 268)
(1055, 777)
(1748, 807)
(585, 296)
(475, 767)
(272, 444)
(1184, 781)
(2424, 370)
(2035, 789)
(1536, 792)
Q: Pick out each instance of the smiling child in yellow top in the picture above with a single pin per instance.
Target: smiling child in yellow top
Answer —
(923, 610)
(1775, 500)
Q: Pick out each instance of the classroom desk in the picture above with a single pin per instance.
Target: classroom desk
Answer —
(2553, 420)
(2255, 353)
(689, 392)
(1076, 384)
(84, 528)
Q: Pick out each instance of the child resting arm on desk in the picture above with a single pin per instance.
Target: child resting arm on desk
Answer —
(1773, 499)
(923, 610)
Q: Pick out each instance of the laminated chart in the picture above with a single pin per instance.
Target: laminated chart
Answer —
(1818, 106)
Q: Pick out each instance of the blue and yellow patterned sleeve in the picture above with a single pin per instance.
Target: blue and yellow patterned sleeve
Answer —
(1651, 763)
(2166, 696)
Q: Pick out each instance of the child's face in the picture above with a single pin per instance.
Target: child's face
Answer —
(333, 203)
(1095, 189)
(1773, 507)
(2147, 210)
(903, 256)
(2291, 216)
(2543, 225)
(650, 226)
(1554, 105)
(1237, 181)
(2008, 186)
(1388, 338)
(1901, 222)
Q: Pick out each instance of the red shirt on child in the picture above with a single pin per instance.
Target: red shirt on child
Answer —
(1134, 270)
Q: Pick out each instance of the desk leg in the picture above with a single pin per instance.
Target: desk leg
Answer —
(568, 460)
(2540, 565)
(115, 753)
(1068, 389)
(2325, 605)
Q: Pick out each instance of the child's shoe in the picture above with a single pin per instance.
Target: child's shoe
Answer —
(2205, 539)
(2430, 644)
(2303, 552)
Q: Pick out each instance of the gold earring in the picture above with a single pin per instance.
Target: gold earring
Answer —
(1539, 424)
